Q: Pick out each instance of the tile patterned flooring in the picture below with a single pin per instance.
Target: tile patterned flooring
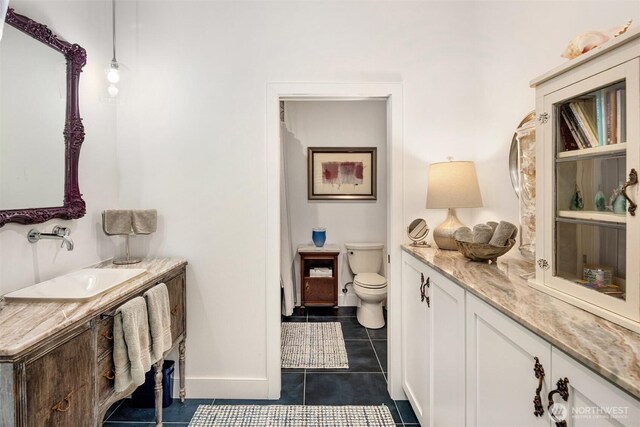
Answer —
(364, 383)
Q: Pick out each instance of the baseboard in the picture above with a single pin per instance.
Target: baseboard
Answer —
(218, 388)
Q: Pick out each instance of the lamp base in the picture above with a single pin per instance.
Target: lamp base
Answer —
(443, 234)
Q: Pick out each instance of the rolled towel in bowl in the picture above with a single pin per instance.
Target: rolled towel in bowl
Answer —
(145, 221)
(493, 225)
(482, 233)
(463, 234)
(504, 232)
(116, 222)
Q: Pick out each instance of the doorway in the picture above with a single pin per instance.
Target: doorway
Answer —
(391, 93)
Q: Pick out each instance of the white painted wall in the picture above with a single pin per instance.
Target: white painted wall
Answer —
(191, 134)
(335, 124)
(21, 263)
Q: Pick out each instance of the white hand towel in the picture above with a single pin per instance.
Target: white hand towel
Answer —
(159, 320)
(4, 5)
(145, 221)
(116, 222)
(131, 355)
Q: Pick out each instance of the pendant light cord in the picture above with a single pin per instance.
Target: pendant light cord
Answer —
(113, 22)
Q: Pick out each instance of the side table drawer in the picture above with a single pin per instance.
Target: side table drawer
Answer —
(105, 377)
(319, 290)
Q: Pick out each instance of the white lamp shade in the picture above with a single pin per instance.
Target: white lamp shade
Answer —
(453, 185)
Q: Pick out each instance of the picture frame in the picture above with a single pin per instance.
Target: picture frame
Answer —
(342, 173)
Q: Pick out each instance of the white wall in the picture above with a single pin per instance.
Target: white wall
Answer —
(191, 135)
(335, 124)
(23, 263)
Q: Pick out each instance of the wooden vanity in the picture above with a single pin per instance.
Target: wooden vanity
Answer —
(56, 359)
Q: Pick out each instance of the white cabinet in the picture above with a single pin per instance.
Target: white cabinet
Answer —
(592, 401)
(501, 383)
(433, 344)
(588, 146)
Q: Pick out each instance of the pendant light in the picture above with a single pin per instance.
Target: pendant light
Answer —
(113, 69)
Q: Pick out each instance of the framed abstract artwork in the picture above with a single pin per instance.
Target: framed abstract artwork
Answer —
(337, 173)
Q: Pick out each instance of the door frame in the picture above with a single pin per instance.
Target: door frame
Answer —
(393, 93)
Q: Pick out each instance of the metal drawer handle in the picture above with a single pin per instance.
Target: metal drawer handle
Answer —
(633, 180)
(174, 310)
(106, 335)
(563, 390)
(110, 374)
(538, 409)
(63, 405)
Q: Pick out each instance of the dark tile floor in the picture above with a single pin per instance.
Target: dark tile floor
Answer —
(364, 383)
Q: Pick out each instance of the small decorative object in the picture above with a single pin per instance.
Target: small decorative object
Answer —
(599, 201)
(319, 236)
(597, 275)
(523, 166)
(417, 232)
(586, 41)
(482, 233)
(341, 173)
(620, 204)
(505, 233)
(614, 195)
(577, 203)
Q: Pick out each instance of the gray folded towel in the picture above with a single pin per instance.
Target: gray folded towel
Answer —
(504, 231)
(159, 320)
(131, 356)
(493, 225)
(116, 222)
(145, 221)
(463, 234)
(482, 233)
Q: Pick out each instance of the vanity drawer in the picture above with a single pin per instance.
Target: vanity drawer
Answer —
(104, 335)
(105, 377)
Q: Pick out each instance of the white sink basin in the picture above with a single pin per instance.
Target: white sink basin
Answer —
(81, 285)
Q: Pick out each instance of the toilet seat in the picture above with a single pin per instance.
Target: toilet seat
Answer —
(370, 280)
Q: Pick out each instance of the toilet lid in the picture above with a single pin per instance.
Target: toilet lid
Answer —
(370, 280)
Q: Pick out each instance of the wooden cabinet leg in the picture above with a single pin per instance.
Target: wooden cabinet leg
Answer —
(158, 390)
(183, 392)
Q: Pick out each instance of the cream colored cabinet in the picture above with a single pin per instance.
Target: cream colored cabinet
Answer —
(501, 381)
(433, 344)
(588, 149)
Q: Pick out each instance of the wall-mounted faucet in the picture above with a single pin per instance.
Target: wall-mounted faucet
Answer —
(57, 233)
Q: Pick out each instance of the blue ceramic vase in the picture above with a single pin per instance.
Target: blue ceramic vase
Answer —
(319, 236)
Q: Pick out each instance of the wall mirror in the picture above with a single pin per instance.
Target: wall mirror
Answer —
(41, 131)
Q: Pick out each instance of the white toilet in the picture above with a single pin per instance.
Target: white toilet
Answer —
(365, 261)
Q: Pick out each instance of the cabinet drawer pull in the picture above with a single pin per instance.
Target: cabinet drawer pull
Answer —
(633, 180)
(562, 389)
(106, 335)
(422, 287)
(174, 310)
(110, 374)
(63, 405)
(538, 409)
(306, 286)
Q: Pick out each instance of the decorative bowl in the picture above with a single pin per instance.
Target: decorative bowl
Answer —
(483, 251)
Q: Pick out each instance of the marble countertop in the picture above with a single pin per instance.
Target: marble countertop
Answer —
(607, 348)
(24, 324)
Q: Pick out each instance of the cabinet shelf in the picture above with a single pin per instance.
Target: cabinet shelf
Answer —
(602, 151)
(596, 216)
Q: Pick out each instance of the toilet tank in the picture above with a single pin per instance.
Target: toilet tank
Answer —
(364, 257)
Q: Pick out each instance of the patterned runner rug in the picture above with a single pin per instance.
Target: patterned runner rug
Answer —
(313, 345)
(291, 416)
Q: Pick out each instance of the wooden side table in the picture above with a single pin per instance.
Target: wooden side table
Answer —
(319, 291)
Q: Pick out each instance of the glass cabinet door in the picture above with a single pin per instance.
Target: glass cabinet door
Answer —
(592, 152)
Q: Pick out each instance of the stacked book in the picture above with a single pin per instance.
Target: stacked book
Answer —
(595, 120)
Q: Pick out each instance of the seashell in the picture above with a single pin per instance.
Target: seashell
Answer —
(584, 42)
(618, 31)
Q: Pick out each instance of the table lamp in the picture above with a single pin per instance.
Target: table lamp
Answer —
(452, 185)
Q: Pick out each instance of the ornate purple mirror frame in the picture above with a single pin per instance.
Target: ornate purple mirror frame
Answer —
(76, 57)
